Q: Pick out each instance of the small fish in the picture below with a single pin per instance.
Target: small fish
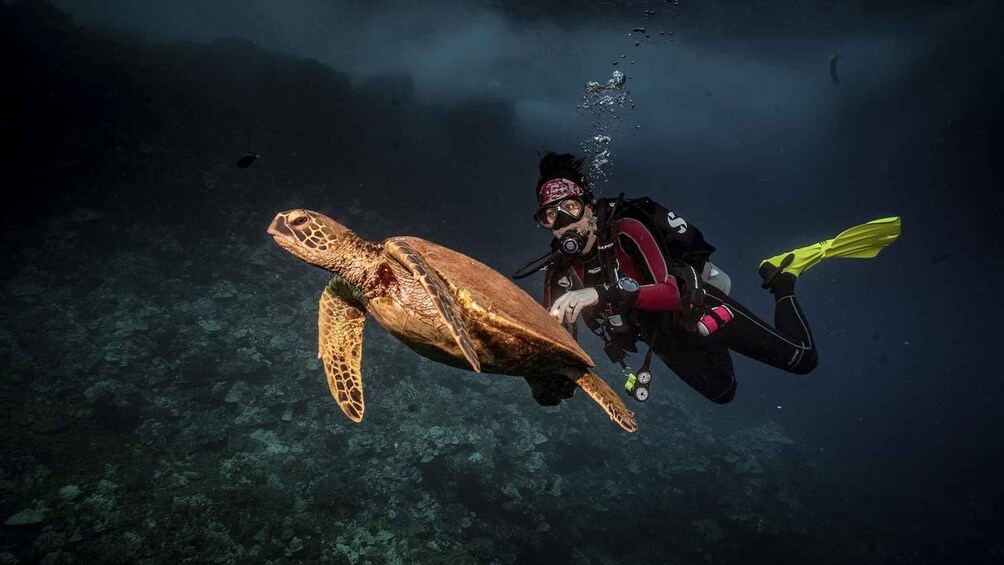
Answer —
(246, 160)
(833, 69)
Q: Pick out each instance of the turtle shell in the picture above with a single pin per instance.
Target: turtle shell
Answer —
(515, 333)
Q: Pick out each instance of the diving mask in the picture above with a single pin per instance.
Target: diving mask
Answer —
(557, 216)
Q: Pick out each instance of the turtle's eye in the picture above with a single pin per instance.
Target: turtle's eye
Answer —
(298, 221)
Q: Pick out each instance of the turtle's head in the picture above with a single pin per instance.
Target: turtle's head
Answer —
(311, 236)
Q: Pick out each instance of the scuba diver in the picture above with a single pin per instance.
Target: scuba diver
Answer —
(636, 271)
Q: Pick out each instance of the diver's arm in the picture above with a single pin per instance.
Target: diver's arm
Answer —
(660, 296)
(552, 289)
(558, 308)
(664, 294)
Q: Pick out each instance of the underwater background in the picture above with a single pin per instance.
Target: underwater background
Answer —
(160, 396)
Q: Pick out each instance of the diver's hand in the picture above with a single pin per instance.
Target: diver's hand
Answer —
(568, 306)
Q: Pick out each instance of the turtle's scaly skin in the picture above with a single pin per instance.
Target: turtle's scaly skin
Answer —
(442, 304)
(338, 321)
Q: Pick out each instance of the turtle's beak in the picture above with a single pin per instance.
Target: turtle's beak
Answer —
(278, 227)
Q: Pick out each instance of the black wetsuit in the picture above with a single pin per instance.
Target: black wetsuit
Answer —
(702, 362)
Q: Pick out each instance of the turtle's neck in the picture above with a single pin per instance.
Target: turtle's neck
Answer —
(353, 258)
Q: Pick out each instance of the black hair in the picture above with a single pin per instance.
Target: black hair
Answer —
(563, 166)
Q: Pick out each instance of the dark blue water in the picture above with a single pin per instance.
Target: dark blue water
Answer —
(161, 396)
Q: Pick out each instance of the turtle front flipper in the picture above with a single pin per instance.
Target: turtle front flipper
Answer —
(340, 321)
(440, 294)
(600, 391)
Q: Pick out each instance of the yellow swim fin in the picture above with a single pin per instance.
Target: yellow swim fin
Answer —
(860, 242)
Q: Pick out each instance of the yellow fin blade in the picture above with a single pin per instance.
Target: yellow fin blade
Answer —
(860, 242)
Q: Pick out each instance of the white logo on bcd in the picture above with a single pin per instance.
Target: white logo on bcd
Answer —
(676, 222)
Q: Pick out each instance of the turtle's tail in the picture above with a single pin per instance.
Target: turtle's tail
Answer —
(600, 391)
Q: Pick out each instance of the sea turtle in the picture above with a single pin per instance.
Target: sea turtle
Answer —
(443, 305)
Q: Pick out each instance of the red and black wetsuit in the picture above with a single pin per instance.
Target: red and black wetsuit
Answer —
(639, 257)
(702, 362)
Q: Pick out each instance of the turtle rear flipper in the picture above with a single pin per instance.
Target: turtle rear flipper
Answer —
(339, 345)
(600, 391)
(440, 294)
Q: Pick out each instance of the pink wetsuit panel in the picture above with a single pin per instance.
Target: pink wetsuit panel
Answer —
(664, 294)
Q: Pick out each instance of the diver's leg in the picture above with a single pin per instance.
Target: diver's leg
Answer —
(788, 345)
(698, 361)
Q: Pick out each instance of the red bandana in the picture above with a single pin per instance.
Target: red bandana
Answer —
(556, 189)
